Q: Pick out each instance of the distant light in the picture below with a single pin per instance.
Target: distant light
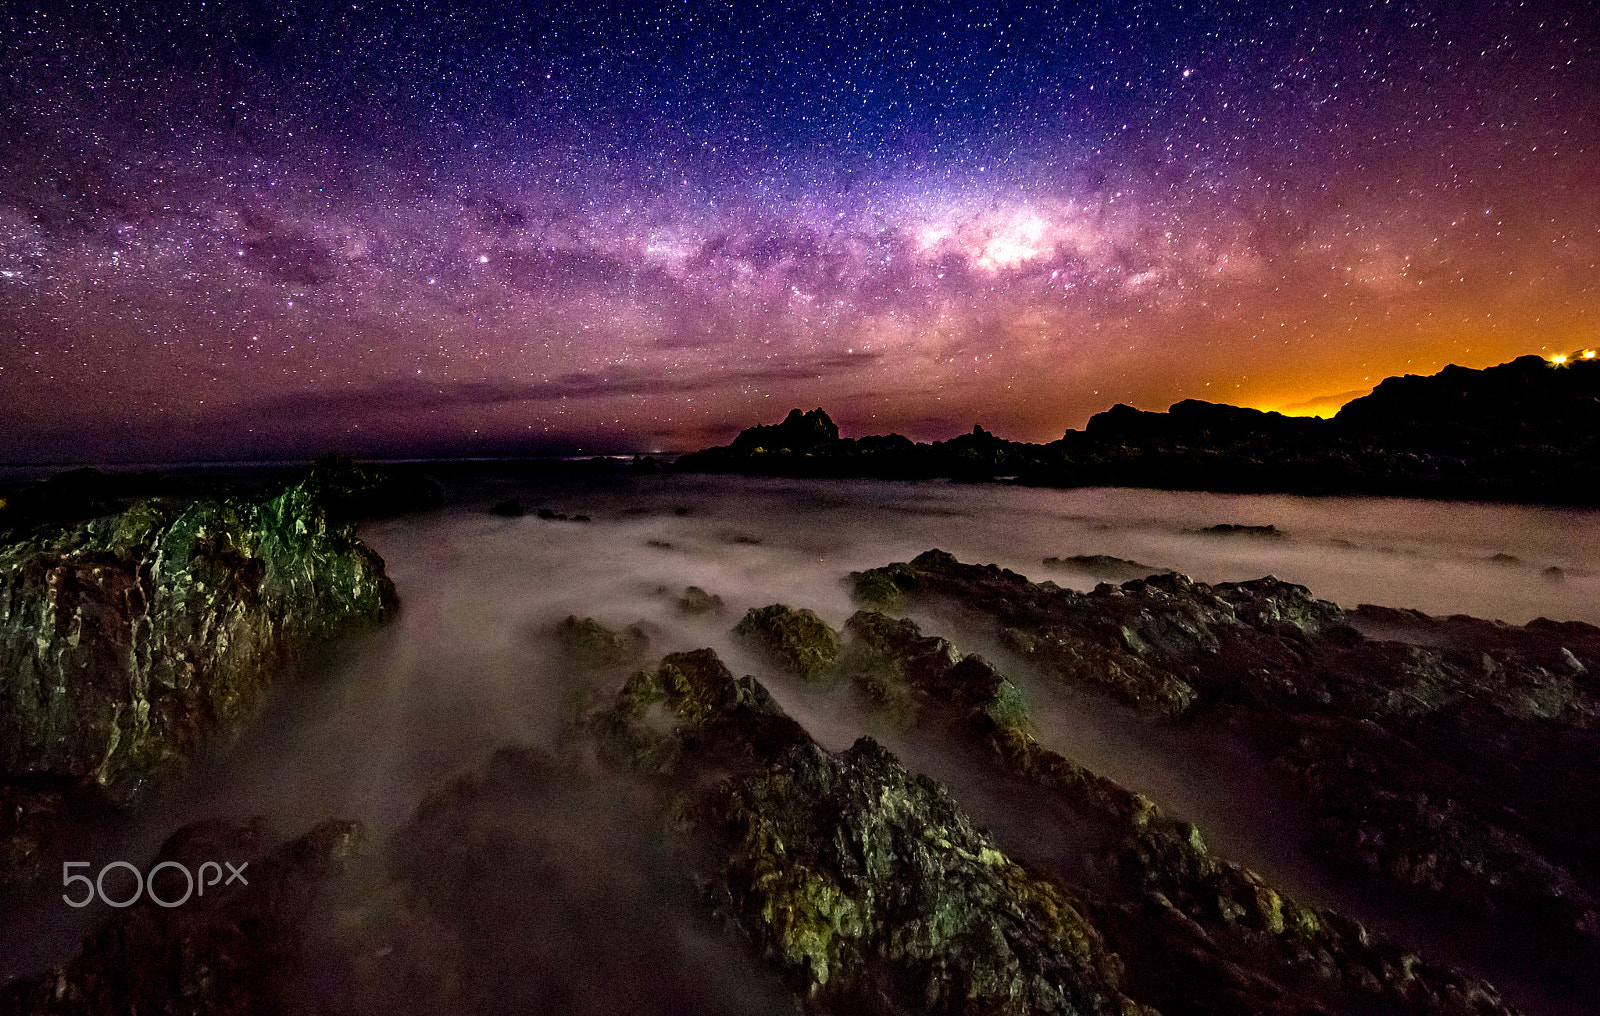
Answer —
(1588, 354)
(483, 259)
(1559, 359)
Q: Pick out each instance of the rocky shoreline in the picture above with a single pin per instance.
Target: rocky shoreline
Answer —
(1450, 766)
(131, 640)
(1525, 432)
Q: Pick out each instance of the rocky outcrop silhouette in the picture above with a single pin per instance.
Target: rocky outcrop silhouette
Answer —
(1524, 431)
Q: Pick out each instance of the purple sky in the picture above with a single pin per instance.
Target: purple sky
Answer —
(469, 229)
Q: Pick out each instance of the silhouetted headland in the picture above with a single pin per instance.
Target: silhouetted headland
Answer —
(1525, 431)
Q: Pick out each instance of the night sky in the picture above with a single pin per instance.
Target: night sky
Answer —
(413, 229)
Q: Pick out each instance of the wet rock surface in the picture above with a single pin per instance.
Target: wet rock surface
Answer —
(870, 889)
(129, 641)
(861, 882)
(690, 846)
(1455, 769)
(797, 640)
(1198, 933)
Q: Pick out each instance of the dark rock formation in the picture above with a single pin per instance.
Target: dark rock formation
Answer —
(509, 508)
(1524, 431)
(1455, 768)
(864, 884)
(797, 640)
(541, 883)
(690, 713)
(1230, 529)
(696, 601)
(799, 432)
(1104, 565)
(350, 492)
(873, 893)
(924, 679)
(235, 949)
(590, 643)
(1045, 623)
(129, 641)
(1199, 934)
(809, 445)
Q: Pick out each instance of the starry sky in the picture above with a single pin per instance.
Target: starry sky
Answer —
(233, 231)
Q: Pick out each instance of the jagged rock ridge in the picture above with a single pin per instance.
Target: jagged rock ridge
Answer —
(1524, 431)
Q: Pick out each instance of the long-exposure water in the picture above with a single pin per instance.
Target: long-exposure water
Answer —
(469, 665)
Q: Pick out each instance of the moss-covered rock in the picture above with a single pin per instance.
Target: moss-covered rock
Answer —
(1199, 933)
(1451, 765)
(865, 884)
(691, 711)
(129, 641)
(871, 890)
(696, 601)
(592, 644)
(797, 640)
(920, 679)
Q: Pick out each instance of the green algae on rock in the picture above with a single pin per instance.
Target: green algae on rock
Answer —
(592, 644)
(797, 640)
(1452, 765)
(919, 678)
(1165, 901)
(865, 884)
(128, 641)
(689, 711)
(873, 892)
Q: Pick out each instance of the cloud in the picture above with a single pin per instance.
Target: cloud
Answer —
(407, 396)
(1323, 404)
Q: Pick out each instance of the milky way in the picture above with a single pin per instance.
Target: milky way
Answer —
(465, 228)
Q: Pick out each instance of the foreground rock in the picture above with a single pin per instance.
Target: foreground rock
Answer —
(796, 640)
(697, 850)
(129, 641)
(1456, 768)
(1522, 431)
(862, 883)
(870, 889)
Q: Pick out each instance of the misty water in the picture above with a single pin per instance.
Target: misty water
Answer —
(469, 665)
